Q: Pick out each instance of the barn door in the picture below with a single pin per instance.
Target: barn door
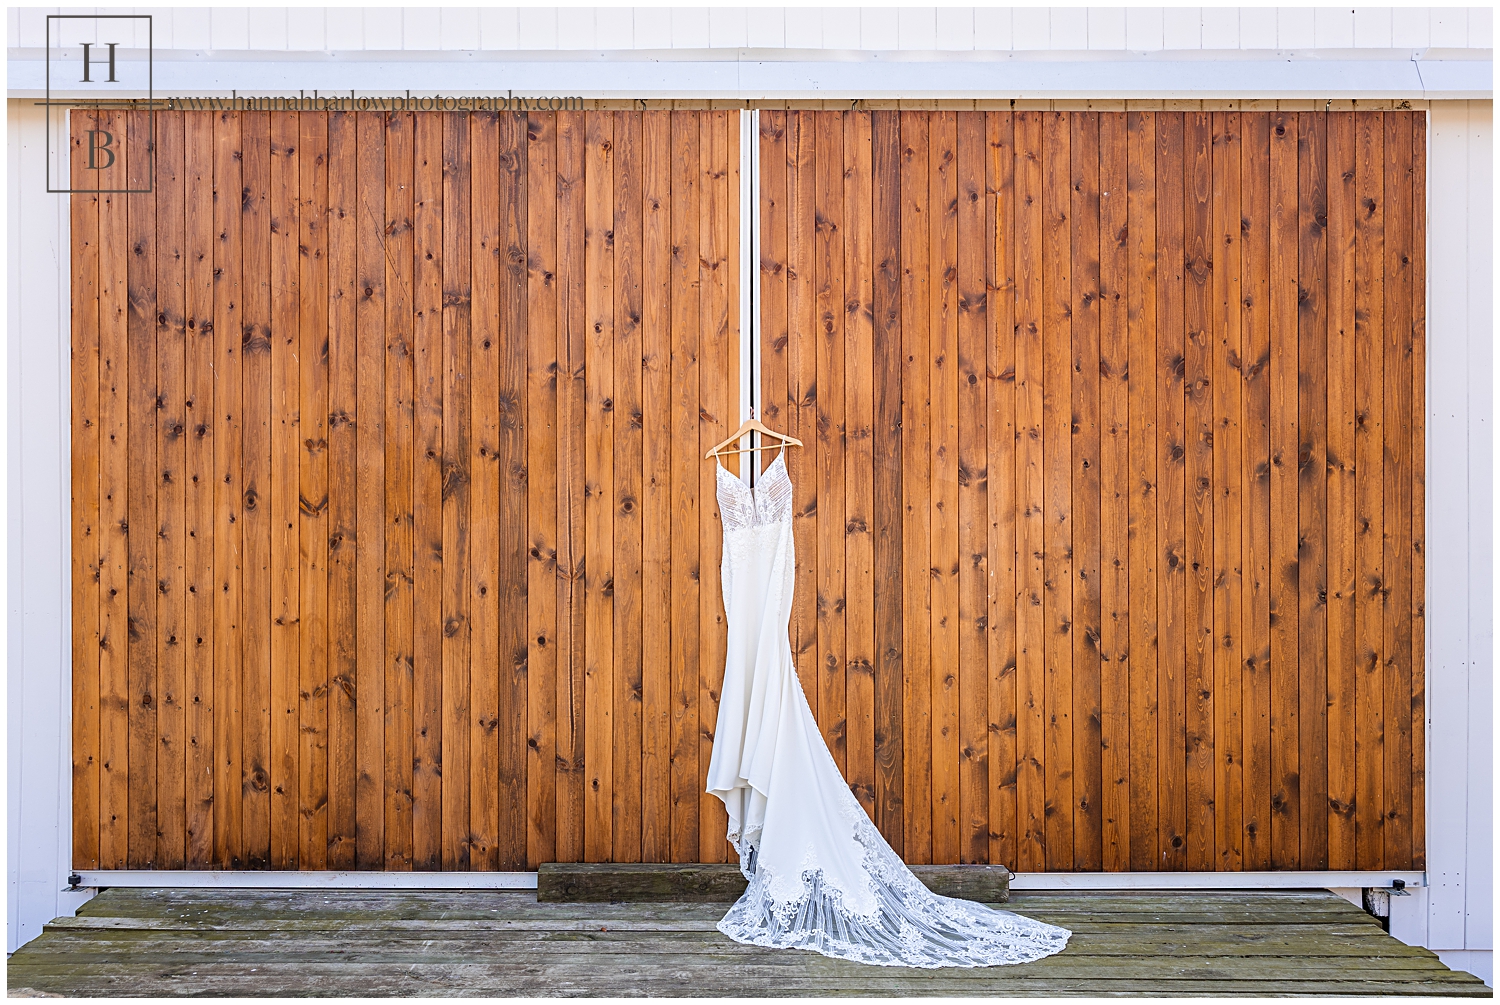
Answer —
(1109, 536)
(393, 546)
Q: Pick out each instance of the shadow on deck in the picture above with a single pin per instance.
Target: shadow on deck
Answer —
(284, 943)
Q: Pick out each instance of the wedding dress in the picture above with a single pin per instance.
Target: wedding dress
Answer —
(821, 876)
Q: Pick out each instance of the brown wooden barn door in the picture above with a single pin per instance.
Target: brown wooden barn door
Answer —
(393, 543)
(1109, 529)
(393, 546)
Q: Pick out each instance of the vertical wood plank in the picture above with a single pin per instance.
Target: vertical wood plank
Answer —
(1172, 580)
(542, 421)
(510, 339)
(229, 333)
(1031, 791)
(1342, 721)
(1285, 783)
(428, 461)
(861, 654)
(887, 438)
(999, 333)
(599, 484)
(1085, 632)
(496, 451)
(629, 611)
(1419, 492)
(657, 671)
(343, 487)
(1312, 486)
(200, 485)
(916, 474)
(255, 236)
(313, 493)
(1225, 385)
(1145, 559)
(1255, 271)
(285, 429)
(774, 203)
(370, 531)
(572, 540)
(171, 497)
(1397, 482)
(84, 377)
(716, 348)
(114, 514)
(942, 220)
(1057, 473)
(141, 479)
(113, 667)
(684, 201)
(828, 426)
(1369, 436)
(400, 163)
(1198, 415)
(1114, 497)
(802, 391)
(457, 563)
(972, 416)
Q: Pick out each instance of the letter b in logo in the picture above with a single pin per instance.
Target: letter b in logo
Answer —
(100, 148)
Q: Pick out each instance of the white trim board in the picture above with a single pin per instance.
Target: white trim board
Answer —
(751, 75)
(334, 880)
(1210, 880)
(309, 880)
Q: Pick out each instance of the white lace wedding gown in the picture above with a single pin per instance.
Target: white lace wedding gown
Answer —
(821, 876)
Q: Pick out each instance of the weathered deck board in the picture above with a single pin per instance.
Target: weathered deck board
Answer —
(369, 943)
(723, 882)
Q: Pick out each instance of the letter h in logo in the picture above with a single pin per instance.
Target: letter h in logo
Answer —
(86, 61)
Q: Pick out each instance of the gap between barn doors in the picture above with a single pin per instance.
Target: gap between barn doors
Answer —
(749, 238)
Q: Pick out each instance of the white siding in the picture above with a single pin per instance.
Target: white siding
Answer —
(1221, 28)
(1032, 28)
(1333, 28)
(1372, 27)
(38, 631)
(459, 27)
(268, 28)
(421, 28)
(1460, 540)
(1411, 28)
(1143, 28)
(653, 29)
(1182, 28)
(918, 26)
(498, 28)
(727, 26)
(312, 29)
(992, 28)
(689, 27)
(1106, 28)
(764, 29)
(804, 28)
(309, 26)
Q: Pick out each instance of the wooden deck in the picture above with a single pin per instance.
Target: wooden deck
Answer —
(178, 942)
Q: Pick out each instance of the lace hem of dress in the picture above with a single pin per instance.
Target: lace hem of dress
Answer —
(910, 926)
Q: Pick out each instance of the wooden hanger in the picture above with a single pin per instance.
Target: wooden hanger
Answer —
(754, 425)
